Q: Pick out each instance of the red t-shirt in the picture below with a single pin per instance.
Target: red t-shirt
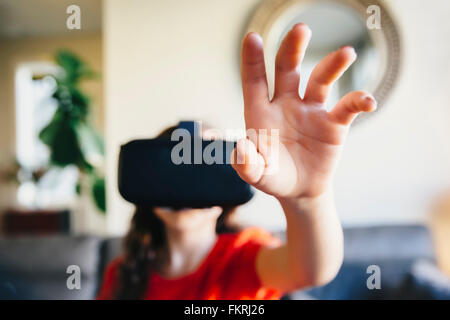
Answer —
(228, 272)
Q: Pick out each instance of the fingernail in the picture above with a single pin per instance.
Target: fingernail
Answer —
(255, 36)
(301, 25)
(347, 47)
(368, 99)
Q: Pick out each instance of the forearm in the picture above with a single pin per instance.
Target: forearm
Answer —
(314, 247)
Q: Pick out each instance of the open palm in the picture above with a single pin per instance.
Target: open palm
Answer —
(310, 137)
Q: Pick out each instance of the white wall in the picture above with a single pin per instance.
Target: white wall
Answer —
(395, 164)
(169, 60)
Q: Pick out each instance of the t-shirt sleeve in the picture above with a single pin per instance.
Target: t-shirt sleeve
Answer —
(248, 244)
(109, 284)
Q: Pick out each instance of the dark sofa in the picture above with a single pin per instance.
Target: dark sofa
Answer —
(35, 267)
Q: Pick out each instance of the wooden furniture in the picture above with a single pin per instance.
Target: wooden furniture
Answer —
(35, 222)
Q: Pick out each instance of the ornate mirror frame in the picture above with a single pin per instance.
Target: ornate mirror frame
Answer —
(272, 14)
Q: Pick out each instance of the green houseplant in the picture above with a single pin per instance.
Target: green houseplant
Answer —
(70, 136)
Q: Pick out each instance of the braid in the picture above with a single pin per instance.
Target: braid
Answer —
(147, 233)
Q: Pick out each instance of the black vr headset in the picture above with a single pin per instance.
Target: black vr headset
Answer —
(184, 171)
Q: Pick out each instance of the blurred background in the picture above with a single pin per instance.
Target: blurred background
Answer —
(69, 97)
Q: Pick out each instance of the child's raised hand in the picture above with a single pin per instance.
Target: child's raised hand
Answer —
(310, 137)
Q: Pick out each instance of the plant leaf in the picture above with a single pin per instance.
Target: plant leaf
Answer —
(99, 193)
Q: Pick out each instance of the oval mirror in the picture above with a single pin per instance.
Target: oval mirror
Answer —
(365, 25)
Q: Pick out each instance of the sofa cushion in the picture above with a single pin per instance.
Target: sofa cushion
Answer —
(35, 267)
(394, 249)
(385, 242)
(425, 281)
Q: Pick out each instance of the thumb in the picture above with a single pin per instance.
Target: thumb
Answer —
(247, 162)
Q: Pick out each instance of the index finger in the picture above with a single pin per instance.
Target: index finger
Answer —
(253, 71)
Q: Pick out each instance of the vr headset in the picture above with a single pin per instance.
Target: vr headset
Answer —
(184, 171)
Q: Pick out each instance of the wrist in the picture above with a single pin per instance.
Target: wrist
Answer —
(306, 203)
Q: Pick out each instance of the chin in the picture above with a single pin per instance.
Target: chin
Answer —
(187, 218)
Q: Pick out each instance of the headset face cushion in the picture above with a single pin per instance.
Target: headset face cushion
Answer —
(161, 172)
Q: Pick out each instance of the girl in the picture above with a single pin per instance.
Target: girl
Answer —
(196, 254)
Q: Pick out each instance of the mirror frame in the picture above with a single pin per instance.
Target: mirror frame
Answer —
(387, 39)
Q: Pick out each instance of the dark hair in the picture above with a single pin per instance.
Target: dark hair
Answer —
(145, 236)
